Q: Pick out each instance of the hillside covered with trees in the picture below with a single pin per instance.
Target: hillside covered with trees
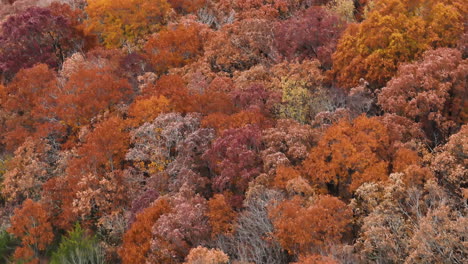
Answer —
(233, 131)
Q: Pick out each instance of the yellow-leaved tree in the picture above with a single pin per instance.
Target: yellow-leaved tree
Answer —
(125, 22)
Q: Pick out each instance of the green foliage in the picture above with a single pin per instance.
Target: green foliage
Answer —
(7, 245)
(78, 248)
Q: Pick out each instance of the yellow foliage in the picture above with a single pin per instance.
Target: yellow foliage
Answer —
(125, 22)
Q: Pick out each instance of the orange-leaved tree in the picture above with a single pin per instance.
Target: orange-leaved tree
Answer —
(303, 226)
(395, 31)
(31, 225)
(349, 154)
(137, 240)
(125, 22)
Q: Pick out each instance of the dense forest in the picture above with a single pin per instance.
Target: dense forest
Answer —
(233, 131)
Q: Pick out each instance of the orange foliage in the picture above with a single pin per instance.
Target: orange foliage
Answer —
(174, 88)
(316, 259)
(31, 224)
(303, 227)
(221, 122)
(88, 92)
(24, 100)
(137, 240)
(284, 175)
(174, 47)
(146, 110)
(349, 154)
(221, 215)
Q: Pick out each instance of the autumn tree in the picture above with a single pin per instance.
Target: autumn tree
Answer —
(202, 255)
(186, 226)
(448, 162)
(88, 92)
(314, 34)
(24, 102)
(187, 6)
(240, 46)
(234, 159)
(220, 215)
(122, 22)
(154, 143)
(253, 240)
(99, 186)
(172, 87)
(305, 227)
(26, 171)
(430, 91)
(137, 240)
(175, 46)
(36, 29)
(288, 143)
(31, 224)
(349, 154)
(394, 32)
(189, 168)
(412, 225)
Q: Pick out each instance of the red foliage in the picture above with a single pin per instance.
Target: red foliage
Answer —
(314, 34)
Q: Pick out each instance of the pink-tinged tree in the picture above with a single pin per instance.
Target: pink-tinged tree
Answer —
(36, 35)
(314, 34)
(186, 226)
(449, 162)
(234, 159)
(431, 91)
(154, 144)
(201, 254)
(288, 143)
(256, 96)
(240, 45)
(26, 171)
(188, 167)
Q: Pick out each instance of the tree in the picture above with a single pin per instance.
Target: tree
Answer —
(26, 172)
(221, 216)
(448, 162)
(288, 143)
(312, 35)
(24, 101)
(187, 6)
(98, 186)
(234, 159)
(253, 240)
(154, 143)
(411, 225)
(137, 240)
(316, 259)
(431, 92)
(87, 92)
(239, 46)
(186, 226)
(78, 246)
(36, 29)
(175, 46)
(395, 31)
(202, 255)
(349, 154)
(31, 225)
(303, 227)
(122, 22)
(146, 110)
